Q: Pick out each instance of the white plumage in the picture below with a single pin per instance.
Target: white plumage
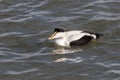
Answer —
(72, 38)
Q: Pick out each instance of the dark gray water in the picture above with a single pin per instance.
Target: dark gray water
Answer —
(26, 54)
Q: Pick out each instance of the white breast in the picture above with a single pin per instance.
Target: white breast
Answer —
(61, 42)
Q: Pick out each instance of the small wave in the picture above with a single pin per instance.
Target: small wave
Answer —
(63, 18)
(39, 13)
(103, 65)
(29, 35)
(42, 3)
(29, 55)
(10, 33)
(7, 60)
(101, 2)
(105, 1)
(6, 10)
(16, 19)
(20, 72)
(20, 4)
(114, 64)
(113, 71)
(4, 48)
(108, 65)
(106, 16)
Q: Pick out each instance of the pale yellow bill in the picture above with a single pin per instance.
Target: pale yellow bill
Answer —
(52, 36)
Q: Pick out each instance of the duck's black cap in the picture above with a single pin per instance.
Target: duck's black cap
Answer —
(58, 30)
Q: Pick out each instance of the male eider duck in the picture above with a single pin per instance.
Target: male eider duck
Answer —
(73, 38)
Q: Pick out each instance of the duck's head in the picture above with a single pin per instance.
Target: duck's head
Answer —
(58, 33)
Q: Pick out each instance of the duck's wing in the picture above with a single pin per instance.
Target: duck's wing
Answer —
(76, 35)
(81, 37)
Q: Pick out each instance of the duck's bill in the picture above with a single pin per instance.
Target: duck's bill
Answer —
(52, 36)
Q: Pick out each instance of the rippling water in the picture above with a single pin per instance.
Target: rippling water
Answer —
(26, 54)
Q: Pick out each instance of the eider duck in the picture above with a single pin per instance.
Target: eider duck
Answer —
(73, 38)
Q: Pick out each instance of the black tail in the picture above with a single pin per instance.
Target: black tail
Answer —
(98, 35)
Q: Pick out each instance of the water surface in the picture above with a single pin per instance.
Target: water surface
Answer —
(26, 54)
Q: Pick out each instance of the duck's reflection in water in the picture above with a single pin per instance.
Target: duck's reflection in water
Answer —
(74, 60)
(67, 51)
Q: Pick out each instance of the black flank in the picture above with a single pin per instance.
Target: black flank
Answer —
(84, 40)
